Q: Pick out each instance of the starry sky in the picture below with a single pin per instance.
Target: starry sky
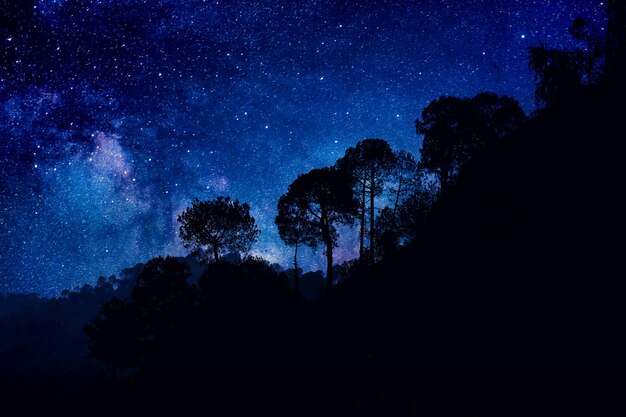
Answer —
(115, 114)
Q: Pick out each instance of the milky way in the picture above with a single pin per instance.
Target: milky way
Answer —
(114, 115)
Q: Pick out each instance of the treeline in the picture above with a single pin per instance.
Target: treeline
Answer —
(454, 130)
(317, 203)
(42, 344)
(243, 319)
(486, 219)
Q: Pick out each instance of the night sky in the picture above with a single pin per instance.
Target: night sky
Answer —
(115, 114)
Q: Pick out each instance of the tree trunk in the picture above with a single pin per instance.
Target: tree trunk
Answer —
(329, 253)
(395, 205)
(215, 253)
(372, 192)
(362, 231)
(296, 275)
(329, 267)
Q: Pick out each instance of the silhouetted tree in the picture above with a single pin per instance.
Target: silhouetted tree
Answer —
(561, 74)
(557, 74)
(400, 224)
(161, 300)
(116, 335)
(369, 163)
(444, 124)
(615, 47)
(387, 228)
(455, 129)
(413, 211)
(584, 32)
(325, 197)
(294, 228)
(494, 118)
(217, 225)
(580, 29)
(406, 177)
(253, 280)
(162, 293)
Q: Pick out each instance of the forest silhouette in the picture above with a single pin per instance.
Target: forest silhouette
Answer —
(489, 283)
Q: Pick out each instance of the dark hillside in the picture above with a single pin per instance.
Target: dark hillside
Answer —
(512, 296)
(509, 303)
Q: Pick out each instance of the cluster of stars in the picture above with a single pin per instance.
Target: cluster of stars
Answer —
(115, 115)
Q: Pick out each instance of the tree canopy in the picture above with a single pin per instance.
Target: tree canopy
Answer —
(162, 292)
(455, 129)
(406, 177)
(217, 225)
(323, 199)
(562, 74)
(557, 74)
(116, 335)
(369, 163)
(295, 229)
